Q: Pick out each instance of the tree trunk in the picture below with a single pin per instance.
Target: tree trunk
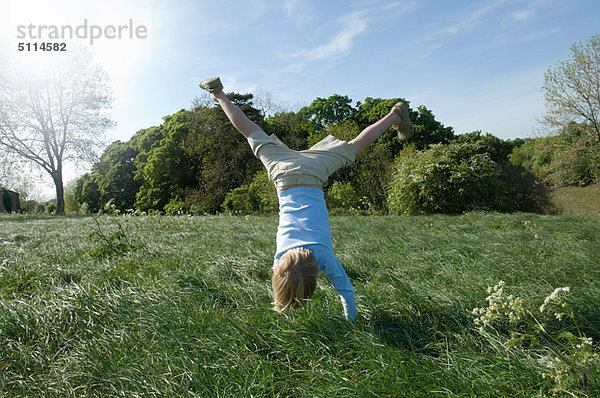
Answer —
(60, 192)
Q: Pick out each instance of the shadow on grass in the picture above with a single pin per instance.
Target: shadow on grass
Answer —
(431, 331)
(424, 331)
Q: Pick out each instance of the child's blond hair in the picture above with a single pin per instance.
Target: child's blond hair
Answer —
(294, 279)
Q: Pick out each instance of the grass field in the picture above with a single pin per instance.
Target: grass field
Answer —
(180, 306)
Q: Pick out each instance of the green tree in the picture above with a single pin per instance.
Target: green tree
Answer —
(370, 174)
(13, 177)
(87, 190)
(572, 89)
(168, 169)
(71, 205)
(259, 197)
(331, 110)
(293, 128)
(373, 109)
(427, 129)
(117, 168)
(224, 158)
(341, 197)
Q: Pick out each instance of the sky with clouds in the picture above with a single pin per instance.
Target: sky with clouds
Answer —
(478, 65)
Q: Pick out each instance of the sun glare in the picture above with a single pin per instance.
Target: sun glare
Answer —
(115, 34)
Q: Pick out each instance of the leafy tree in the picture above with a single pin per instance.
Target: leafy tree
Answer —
(527, 192)
(196, 161)
(147, 139)
(341, 197)
(54, 114)
(71, 205)
(293, 128)
(190, 162)
(117, 168)
(373, 109)
(223, 156)
(115, 171)
(370, 174)
(12, 176)
(87, 190)
(331, 110)
(572, 89)
(168, 169)
(427, 130)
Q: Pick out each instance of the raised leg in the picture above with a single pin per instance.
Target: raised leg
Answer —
(238, 118)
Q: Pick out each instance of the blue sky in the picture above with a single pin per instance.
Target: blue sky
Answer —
(478, 65)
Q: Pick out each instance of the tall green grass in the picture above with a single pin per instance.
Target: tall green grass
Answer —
(185, 311)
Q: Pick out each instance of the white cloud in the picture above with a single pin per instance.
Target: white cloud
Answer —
(468, 22)
(523, 15)
(301, 12)
(527, 13)
(352, 26)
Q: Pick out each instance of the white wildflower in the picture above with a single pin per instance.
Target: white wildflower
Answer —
(555, 300)
(510, 307)
(585, 341)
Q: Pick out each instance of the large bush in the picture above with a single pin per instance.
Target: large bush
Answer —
(258, 197)
(569, 158)
(498, 149)
(340, 198)
(449, 178)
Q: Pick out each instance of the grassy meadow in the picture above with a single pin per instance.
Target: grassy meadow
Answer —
(157, 306)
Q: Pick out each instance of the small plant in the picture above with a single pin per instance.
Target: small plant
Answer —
(569, 359)
(118, 242)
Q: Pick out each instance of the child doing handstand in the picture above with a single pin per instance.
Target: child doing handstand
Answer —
(304, 246)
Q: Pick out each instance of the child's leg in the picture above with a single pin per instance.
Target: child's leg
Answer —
(238, 118)
(374, 131)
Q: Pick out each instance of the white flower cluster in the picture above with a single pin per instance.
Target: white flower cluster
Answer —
(510, 308)
(556, 302)
(585, 341)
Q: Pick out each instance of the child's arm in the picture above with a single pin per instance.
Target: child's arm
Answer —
(342, 285)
